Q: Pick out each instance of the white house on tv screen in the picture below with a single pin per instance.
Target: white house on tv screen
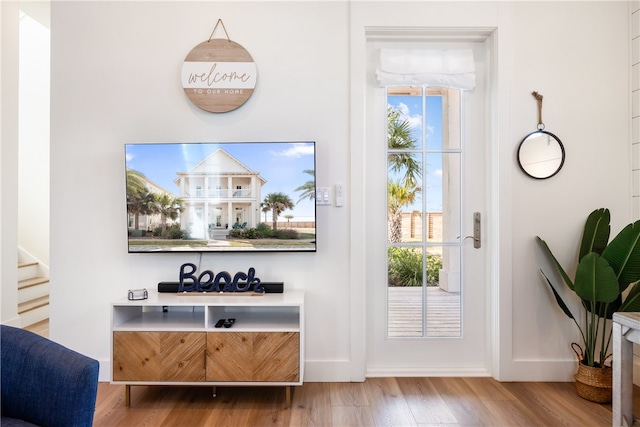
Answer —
(217, 193)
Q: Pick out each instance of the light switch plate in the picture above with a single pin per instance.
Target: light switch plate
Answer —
(339, 195)
(323, 196)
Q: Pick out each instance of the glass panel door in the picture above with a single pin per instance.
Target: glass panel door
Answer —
(423, 212)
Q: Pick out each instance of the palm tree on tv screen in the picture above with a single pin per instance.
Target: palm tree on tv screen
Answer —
(135, 183)
(265, 209)
(277, 203)
(139, 200)
(169, 207)
(309, 187)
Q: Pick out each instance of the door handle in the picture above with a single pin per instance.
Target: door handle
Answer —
(477, 235)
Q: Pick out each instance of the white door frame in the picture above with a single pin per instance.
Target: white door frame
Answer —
(496, 302)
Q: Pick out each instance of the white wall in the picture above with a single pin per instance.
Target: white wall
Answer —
(33, 156)
(9, 12)
(579, 64)
(115, 78)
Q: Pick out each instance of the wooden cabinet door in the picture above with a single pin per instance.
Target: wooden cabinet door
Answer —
(276, 356)
(253, 356)
(159, 356)
(229, 356)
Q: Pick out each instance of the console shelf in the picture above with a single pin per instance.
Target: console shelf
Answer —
(172, 339)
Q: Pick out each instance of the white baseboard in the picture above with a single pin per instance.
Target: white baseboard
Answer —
(395, 371)
(551, 371)
(104, 375)
(14, 321)
(327, 371)
(540, 370)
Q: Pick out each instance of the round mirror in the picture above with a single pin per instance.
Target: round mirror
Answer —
(541, 154)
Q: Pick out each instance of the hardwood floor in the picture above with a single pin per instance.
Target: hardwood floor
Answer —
(446, 402)
(423, 402)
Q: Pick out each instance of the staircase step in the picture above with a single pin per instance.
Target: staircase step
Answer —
(33, 311)
(41, 328)
(33, 294)
(34, 316)
(33, 304)
(27, 270)
(34, 281)
(32, 289)
(27, 264)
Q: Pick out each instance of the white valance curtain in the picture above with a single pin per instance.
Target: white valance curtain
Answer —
(452, 68)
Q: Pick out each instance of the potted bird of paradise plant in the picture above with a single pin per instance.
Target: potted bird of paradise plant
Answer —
(603, 275)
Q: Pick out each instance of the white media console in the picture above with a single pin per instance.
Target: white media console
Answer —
(172, 339)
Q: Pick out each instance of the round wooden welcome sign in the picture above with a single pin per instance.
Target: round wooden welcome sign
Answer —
(219, 75)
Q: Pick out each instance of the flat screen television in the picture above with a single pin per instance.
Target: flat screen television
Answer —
(220, 197)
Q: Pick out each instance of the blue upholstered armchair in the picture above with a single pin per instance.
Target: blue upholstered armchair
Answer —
(44, 383)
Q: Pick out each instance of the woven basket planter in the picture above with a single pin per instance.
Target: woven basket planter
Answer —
(594, 384)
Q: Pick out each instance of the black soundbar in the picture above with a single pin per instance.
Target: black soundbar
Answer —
(269, 287)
